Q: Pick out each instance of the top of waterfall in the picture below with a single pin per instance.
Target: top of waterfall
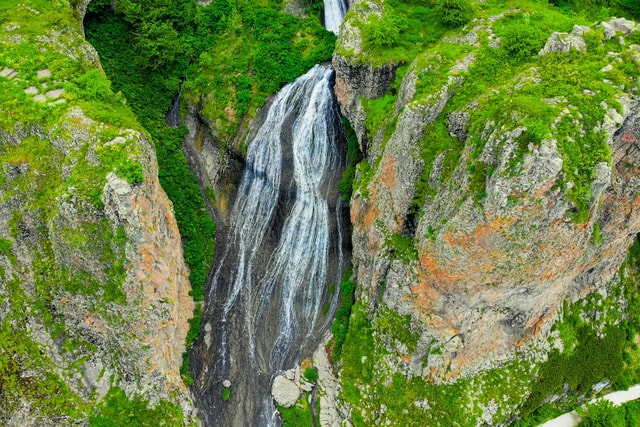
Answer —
(334, 11)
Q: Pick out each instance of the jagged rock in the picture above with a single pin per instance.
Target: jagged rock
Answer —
(622, 24)
(457, 124)
(284, 391)
(490, 273)
(328, 388)
(563, 42)
(96, 231)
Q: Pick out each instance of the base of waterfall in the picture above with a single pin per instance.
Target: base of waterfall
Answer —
(287, 387)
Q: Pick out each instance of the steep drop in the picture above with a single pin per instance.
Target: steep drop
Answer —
(269, 301)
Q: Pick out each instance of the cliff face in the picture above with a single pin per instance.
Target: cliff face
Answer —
(490, 194)
(94, 289)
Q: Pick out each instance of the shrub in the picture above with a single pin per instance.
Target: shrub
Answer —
(311, 374)
(455, 13)
(602, 413)
(522, 41)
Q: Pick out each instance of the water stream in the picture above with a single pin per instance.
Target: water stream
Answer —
(269, 301)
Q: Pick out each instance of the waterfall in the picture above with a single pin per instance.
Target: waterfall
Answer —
(269, 301)
(334, 11)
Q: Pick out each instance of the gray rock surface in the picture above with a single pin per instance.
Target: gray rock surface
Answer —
(328, 388)
(563, 42)
(284, 391)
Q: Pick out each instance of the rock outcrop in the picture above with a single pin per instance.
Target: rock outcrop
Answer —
(498, 239)
(93, 284)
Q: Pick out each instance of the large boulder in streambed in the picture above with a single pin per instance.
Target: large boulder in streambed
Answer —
(284, 391)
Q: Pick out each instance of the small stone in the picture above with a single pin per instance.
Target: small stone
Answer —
(55, 94)
(305, 386)
(120, 140)
(44, 74)
(226, 383)
(8, 73)
(40, 98)
(607, 68)
(621, 24)
(31, 90)
(207, 326)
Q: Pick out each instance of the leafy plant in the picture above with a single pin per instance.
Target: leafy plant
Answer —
(311, 374)
(455, 13)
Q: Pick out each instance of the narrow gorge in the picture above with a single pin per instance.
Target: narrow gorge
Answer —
(318, 213)
(269, 301)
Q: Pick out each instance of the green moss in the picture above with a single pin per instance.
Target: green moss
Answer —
(299, 415)
(396, 328)
(118, 410)
(311, 375)
(226, 393)
(341, 318)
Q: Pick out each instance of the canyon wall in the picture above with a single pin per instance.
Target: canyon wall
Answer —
(94, 289)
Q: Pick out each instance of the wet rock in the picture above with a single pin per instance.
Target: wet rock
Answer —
(284, 391)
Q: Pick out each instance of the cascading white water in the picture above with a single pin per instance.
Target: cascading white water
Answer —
(269, 302)
(334, 11)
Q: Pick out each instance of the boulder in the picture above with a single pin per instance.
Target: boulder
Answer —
(563, 42)
(284, 391)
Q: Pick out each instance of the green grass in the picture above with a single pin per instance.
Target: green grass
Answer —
(340, 324)
(299, 415)
(117, 409)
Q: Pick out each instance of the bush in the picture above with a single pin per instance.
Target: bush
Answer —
(226, 394)
(455, 13)
(602, 413)
(522, 41)
(311, 374)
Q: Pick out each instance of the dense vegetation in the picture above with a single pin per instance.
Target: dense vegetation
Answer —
(604, 413)
(117, 410)
(252, 49)
(145, 50)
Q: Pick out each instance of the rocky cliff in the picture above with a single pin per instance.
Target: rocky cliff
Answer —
(94, 289)
(499, 180)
